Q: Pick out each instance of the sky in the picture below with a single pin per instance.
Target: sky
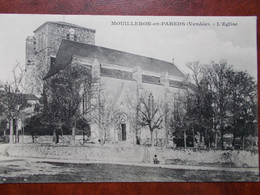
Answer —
(184, 39)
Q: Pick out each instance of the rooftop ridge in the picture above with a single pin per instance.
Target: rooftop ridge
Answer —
(69, 48)
(64, 24)
(125, 52)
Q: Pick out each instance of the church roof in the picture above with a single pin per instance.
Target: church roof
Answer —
(151, 79)
(120, 74)
(70, 48)
(176, 84)
(64, 24)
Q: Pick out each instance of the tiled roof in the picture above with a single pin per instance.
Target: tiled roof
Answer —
(116, 73)
(175, 84)
(69, 48)
(151, 79)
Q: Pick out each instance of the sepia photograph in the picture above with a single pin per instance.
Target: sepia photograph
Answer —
(87, 98)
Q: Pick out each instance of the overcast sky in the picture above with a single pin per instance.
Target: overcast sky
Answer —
(184, 43)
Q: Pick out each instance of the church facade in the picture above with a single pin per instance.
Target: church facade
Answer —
(122, 77)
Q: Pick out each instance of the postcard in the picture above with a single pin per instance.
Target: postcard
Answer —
(128, 99)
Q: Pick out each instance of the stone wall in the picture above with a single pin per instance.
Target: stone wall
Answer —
(45, 43)
(91, 153)
(57, 32)
(47, 139)
(235, 157)
(136, 154)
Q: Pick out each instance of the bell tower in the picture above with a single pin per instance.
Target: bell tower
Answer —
(41, 49)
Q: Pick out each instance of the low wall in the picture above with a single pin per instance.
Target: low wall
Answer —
(93, 153)
(236, 157)
(49, 139)
(137, 154)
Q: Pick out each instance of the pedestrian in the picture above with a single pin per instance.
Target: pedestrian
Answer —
(155, 160)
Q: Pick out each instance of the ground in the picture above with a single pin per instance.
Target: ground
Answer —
(49, 162)
(23, 170)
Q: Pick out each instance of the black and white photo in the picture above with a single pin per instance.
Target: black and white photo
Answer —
(128, 99)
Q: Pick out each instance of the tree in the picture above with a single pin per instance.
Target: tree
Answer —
(168, 119)
(183, 119)
(149, 114)
(199, 97)
(217, 77)
(106, 115)
(210, 91)
(243, 105)
(36, 125)
(132, 103)
(3, 116)
(13, 100)
(225, 101)
(69, 95)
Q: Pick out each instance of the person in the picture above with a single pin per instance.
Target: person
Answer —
(34, 136)
(155, 159)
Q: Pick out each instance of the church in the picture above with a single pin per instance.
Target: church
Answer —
(122, 76)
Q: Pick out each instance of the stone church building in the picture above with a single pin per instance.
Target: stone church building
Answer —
(122, 76)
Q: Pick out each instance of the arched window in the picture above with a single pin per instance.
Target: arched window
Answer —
(122, 127)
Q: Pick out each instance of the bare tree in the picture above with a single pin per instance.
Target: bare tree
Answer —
(106, 115)
(133, 104)
(149, 114)
(14, 100)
